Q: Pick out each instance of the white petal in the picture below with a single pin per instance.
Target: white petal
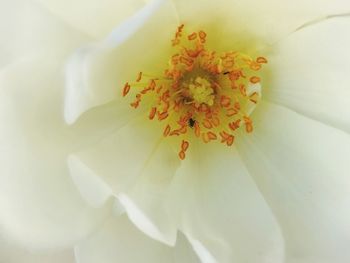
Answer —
(40, 205)
(119, 241)
(245, 21)
(26, 28)
(302, 168)
(221, 211)
(309, 72)
(134, 160)
(97, 73)
(145, 201)
(12, 253)
(93, 189)
(94, 17)
(183, 251)
(120, 157)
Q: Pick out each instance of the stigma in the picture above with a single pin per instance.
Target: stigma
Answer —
(201, 93)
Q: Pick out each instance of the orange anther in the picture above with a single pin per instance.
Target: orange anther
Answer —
(254, 79)
(254, 97)
(225, 101)
(192, 36)
(126, 89)
(234, 125)
(215, 121)
(231, 111)
(182, 130)
(261, 60)
(197, 129)
(243, 90)
(152, 84)
(203, 108)
(207, 124)
(152, 113)
(248, 124)
(237, 105)
(175, 132)
(205, 138)
(186, 61)
(166, 131)
(230, 140)
(255, 66)
(139, 77)
(163, 115)
(211, 135)
(159, 89)
(224, 136)
(182, 155)
(184, 145)
(193, 53)
(202, 34)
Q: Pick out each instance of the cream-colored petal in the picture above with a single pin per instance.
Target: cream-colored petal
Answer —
(96, 74)
(26, 28)
(95, 18)
(309, 72)
(137, 164)
(119, 241)
(220, 209)
(39, 203)
(10, 252)
(302, 168)
(120, 157)
(183, 251)
(145, 201)
(235, 23)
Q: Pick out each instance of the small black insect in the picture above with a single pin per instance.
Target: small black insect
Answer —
(191, 122)
(227, 72)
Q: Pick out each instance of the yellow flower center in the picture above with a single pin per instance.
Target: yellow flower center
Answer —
(201, 92)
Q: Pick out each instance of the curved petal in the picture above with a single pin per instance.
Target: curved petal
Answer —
(140, 180)
(183, 251)
(27, 28)
(110, 157)
(119, 241)
(95, 18)
(34, 143)
(309, 72)
(221, 211)
(302, 168)
(97, 73)
(264, 21)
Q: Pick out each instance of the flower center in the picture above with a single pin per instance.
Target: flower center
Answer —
(201, 92)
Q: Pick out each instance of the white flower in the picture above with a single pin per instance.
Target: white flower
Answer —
(278, 194)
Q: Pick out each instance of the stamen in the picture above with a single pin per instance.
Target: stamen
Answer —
(201, 92)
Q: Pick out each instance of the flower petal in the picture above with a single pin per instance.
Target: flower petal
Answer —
(12, 253)
(34, 143)
(119, 241)
(110, 157)
(97, 73)
(95, 18)
(309, 72)
(26, 28)
(221, 211)
(139, 180)
(302, 168)
(145, 201)
(266, 20)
